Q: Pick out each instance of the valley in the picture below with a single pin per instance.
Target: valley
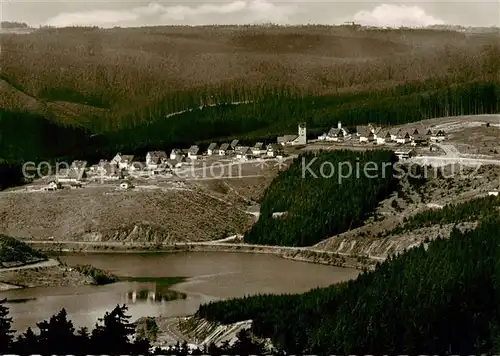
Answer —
(198, 176)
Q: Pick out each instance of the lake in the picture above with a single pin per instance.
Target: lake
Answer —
(210, 276)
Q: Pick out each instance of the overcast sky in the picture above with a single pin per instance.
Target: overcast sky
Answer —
(167, 12)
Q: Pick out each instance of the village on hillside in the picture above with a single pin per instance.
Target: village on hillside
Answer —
(123, 167)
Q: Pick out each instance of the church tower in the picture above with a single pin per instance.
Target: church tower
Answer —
(302, 139)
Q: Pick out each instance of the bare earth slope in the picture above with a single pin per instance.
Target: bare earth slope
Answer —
(104, 214)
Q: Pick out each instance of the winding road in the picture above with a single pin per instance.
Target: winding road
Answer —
(201, 107)
(452, 156)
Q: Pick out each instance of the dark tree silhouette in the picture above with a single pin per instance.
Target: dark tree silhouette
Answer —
(5, 331)
(113, 335)
(57, 334)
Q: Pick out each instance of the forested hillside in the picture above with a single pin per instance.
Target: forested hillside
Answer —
(141, 74)
(25, 136)
(112, 90)
(323, 194)
(439, 298)
(279, 111)
(28, 137)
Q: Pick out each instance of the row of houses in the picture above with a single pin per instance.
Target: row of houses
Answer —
(418, 135)
(160, 159)
(229, 149)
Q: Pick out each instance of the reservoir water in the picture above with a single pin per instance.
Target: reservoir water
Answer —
(210, 276)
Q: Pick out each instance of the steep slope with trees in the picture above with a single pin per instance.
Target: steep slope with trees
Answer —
(323, 194)
(440, 298)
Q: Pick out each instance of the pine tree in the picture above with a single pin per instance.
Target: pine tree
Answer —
(5, 331)
(112, 336)
(27, 343)
(57, 335)
(244, 345)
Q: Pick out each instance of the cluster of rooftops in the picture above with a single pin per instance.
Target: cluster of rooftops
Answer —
(157, 159)
(227, 149)
(370, 133)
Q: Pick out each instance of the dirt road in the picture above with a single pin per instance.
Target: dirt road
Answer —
(207, 106)
(449, 150)
(447, 160)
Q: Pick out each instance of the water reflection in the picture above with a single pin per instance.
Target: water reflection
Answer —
(208, 279)
(152, 293)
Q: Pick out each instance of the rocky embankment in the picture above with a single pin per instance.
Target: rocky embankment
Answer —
(204, 332)
(380, 248)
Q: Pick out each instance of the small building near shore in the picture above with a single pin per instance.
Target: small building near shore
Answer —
(193, 152)
(243, 152)
(224, 149)
(405, 154)
(212, 149)
(155, 158)
(53, 186)
(274, 150)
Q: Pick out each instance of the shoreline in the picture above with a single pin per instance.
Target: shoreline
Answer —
(301, 254)
(51, 266)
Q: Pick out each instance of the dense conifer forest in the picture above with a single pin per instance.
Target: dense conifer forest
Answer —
(28, 136)
(439, 298)
(278, 112)
(323, 194)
